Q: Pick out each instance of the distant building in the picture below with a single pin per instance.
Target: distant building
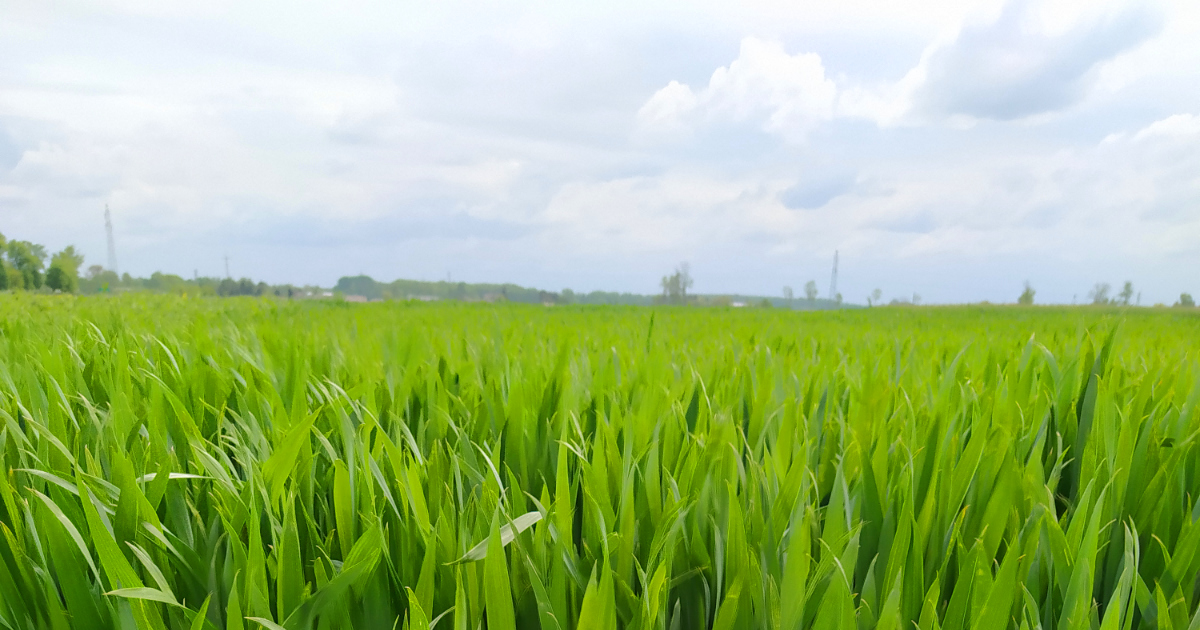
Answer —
(357, 298)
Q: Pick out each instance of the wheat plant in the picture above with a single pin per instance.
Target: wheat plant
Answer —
(175, 463)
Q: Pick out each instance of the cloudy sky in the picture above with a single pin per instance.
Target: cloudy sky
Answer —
(949, 149)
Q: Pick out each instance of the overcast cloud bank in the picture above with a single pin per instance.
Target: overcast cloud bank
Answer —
(952, 150)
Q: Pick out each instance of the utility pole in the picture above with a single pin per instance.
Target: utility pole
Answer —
(112, 244)
(833, 280)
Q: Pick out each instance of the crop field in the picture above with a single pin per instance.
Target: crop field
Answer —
(239, 463)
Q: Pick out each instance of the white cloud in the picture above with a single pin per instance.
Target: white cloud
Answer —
(525, 142)
(675, 212)
(1177, 126)
(1113, 207)
(1026, 60)
(669, 111)
(784, 94)
(1019, 65)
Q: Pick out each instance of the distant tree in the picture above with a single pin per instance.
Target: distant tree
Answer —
(228, 286)
(916, 298)
(810, 290)
(1026, 298)
(365, 286)
(567, 296)
(1099, 294)
(670, 288)
(57, 280)
(675, 286)
(788, 295)
(63, 274)
(1186, 301)
(838, 298)
(1126, 294)
(97, 279)
(685, 279)
(28, 259)
(876, 295)
(4, 272)
(14, 278)
(765, 303)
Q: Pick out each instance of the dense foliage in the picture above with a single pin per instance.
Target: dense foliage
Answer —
(174, 463)
(673, 293)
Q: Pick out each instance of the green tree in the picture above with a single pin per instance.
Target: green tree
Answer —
(1026, 298)
(28, 259)
(97, 279)
(365, 286)
(1185, 300)
(1126, 294)
(12, 277)
(56, 279)
(675, 286)
(63, 274)
(810, 290)
(1099, 294)
(4, 283)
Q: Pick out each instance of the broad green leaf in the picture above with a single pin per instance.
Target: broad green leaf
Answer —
(417, 619)
(507, 533)
(147, 593)
(496, 587)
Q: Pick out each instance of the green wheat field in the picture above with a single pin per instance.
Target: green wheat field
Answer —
(176, 463)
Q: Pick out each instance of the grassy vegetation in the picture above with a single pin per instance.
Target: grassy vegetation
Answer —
(173, 463)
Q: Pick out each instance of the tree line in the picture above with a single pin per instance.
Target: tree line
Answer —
(367, 287)
(23, 267)
(28, 266)
(1101, 294)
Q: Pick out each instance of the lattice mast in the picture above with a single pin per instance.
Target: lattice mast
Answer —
(112, 243)
(833, 280)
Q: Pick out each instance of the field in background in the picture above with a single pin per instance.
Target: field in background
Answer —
(174, 463)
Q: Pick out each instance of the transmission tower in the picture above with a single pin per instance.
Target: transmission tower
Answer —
(833, 280)
(112, 244)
